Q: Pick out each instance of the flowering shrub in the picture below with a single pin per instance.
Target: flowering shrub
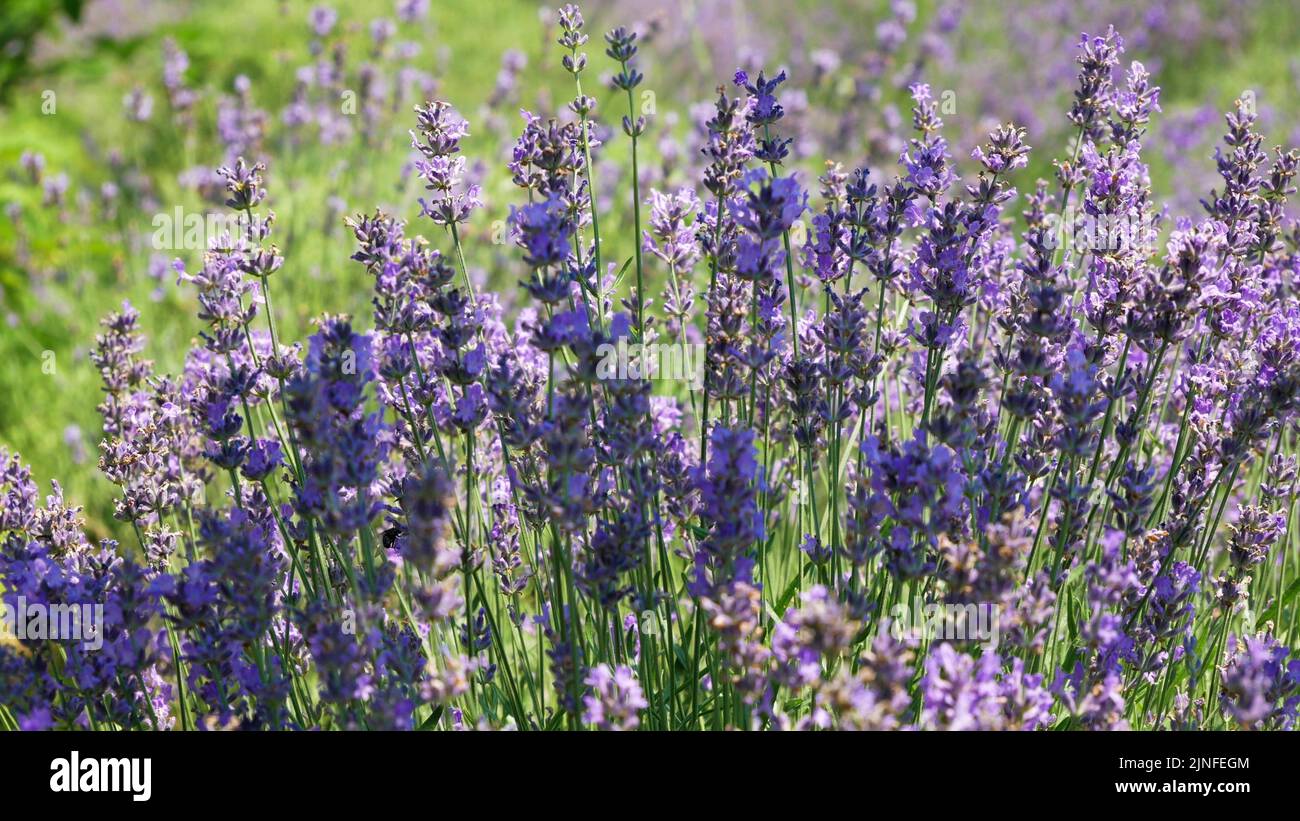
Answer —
(916, 411)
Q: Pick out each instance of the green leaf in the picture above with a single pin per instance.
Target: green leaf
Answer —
(1289, 594)
(432, 721)
(556, 721)
(618, 278)
(786, 597)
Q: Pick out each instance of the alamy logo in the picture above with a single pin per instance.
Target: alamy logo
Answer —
(52, 622)
(975, 622)
(672, 361)
(195, 230)
(129, 775)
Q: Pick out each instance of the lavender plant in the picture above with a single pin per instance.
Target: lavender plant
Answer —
(946, 467)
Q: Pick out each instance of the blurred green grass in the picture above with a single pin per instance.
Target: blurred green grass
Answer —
(84, 274)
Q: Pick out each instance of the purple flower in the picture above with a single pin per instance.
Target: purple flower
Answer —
(616, 698)
(441, 129)
(1261, 683)
(728, 495)
(322, 20)
(262, 457)
(962, 693)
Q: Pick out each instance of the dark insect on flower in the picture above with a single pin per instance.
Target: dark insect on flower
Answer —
(390, 535)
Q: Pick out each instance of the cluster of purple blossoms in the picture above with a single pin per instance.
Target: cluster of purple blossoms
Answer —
(484, 505)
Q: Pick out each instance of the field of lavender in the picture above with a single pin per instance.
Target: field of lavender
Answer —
(470, 365)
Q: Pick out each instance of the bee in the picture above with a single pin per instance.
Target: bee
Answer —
(391, 535)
